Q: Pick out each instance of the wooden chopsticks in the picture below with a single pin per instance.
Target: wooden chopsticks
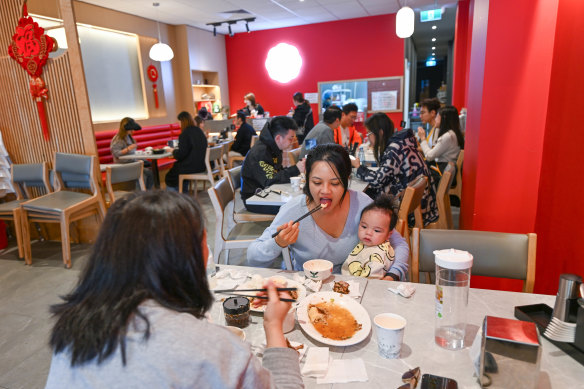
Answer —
(320, 206)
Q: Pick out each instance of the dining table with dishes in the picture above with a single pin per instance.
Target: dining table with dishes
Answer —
(358, 361)
(151, 155)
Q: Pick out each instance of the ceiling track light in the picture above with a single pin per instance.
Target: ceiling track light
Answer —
(229, 23)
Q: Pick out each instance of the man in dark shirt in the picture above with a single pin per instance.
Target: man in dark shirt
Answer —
(243, 138)
(263, 165)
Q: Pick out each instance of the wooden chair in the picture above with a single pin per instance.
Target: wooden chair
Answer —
(242, 157)
(443, 199)
(24, 177)
(221, 194)
(293, 156)
(240, 214)
(457, 189)
(496, 254)
(412, 203)
(124, 173)
(65, 205)
(213, 154)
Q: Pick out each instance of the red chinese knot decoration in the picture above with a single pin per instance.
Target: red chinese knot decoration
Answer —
(30, 47)
(153, 76)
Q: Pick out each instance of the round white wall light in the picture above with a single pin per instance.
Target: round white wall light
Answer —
(404, 23)
(283, 63)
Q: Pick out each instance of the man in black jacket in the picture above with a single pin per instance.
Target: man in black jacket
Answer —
(263, 164)
(243, 138)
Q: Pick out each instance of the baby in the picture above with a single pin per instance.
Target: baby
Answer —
(373, 255)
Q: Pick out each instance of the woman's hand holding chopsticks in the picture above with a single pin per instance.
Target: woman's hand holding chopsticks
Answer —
(288, 234)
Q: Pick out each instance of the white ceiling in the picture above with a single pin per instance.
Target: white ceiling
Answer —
(268, 13)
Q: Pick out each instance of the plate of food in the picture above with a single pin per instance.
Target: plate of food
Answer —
(334, 319)
(257, 282)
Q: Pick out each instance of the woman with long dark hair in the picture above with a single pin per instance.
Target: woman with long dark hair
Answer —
(123, 143)
(136, 318)
(399, 163)
(302, 115)
(190, 154)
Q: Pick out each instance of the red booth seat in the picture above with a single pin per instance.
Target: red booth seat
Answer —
(153, 136)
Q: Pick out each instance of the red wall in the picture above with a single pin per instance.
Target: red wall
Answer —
(461, 55)
(342, 50)
(560, 214)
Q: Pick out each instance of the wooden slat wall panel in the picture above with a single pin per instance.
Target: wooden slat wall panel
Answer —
(19, 119)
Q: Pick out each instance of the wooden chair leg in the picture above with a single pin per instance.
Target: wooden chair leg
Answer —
(65, 241)
(26, 237)
(17, 214)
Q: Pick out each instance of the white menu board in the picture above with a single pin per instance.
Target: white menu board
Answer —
(384, 100)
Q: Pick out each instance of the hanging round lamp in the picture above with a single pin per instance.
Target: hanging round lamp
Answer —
(160, 51)
(404, 23)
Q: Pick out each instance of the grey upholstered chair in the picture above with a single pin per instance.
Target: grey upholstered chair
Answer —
(132, 173)
(496, 254)
(66, 204)
(24, 176)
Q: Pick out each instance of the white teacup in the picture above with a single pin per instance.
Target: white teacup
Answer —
(295, 182)
(318, 269)
(390, 334)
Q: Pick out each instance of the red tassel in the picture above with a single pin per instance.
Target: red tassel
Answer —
(43, 118)
(155, 95)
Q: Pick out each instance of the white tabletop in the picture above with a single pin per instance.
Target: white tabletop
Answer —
(166, 154)
(278, 200)
(558, 370)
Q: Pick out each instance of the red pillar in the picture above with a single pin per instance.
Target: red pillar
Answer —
(461, 55)
(508, 90)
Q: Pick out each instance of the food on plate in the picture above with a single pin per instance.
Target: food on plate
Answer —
(332, 320)
(341, 287)
(258, 282)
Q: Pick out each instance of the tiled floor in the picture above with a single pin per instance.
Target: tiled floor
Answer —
(27, 292)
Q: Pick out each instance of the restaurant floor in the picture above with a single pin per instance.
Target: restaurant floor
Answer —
(27, 292)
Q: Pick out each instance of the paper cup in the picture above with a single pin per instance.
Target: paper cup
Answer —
(295, 182)
(390, 334)
(289, 321)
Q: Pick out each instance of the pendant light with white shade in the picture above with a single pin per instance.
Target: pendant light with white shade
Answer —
(160, 51)
(404, 22)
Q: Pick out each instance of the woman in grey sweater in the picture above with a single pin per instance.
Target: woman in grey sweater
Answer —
(136, 318)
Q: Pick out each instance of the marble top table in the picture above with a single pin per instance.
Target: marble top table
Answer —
(558, 370)
(151, 157)
(281, 199)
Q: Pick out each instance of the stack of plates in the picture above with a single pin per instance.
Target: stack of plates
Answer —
(560, 331)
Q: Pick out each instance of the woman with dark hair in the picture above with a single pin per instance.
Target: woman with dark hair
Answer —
(123, 143)
(136, 318)
(302, 115)
(399, 163)
(449, 143)
(190, 154)
(330, 233)
(251, 107)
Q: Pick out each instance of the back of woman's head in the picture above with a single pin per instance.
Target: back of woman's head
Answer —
(198, 121)
(449, 120)
(298, 97)
(382, 127)
(149, 247)
(336, 157)
(185, 119)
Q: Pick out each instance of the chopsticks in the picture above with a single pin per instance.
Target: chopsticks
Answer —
(320, 206)
(236, 292)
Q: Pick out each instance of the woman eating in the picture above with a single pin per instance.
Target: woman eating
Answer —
(399, 163)
(123, 143)
(136, 318)
(331, 232)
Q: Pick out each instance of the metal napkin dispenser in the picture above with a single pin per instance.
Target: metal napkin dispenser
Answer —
(510, 354)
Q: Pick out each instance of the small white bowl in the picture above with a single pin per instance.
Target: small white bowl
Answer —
(318, 269)
(237, 332)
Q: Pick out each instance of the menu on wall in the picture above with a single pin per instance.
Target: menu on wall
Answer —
(384, 100)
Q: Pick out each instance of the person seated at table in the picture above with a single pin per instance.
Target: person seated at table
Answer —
(331, 232)
(428, 112)
(243, 138)
(302, 115)
(123, 143)
(345, 134)
(399, 163)
(323, 132)
(137, 316)
(373, 256)
(190, 153)
(251, 107)
(448, 144)
(262, 166)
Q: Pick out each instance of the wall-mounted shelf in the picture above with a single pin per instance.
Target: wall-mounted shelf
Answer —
(204, 84)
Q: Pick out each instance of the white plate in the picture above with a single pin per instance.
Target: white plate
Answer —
(356, 309)
(253, 284)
